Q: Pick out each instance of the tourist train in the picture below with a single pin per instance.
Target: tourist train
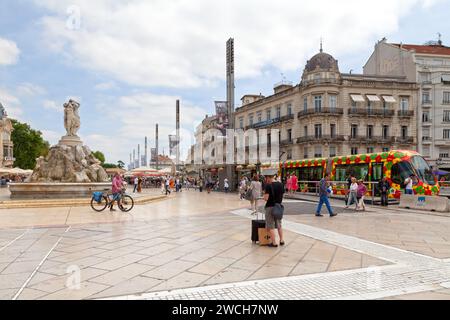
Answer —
(395, 165)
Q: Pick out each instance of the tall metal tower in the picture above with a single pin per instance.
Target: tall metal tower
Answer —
(230, 168)
(146, 153)
(178, 135)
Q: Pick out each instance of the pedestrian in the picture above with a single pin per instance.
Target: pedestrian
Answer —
(177, 184)
(242, 188)
(255, 187)
(273, 194)
(139, 186)
(362, 189)
(117, 185)
(288, 183)
(136, 181)
(323, 194)
(353, 193)
(384, 187)
(294, 184)
(409, 184)
(349, 183)
(226, 185)
(167, 184)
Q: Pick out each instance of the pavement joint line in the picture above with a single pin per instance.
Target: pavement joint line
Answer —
(39, 265)
(12, 241)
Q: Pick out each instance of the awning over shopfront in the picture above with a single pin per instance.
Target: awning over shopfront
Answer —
(357, 98)
(389, 99)
(373, 98)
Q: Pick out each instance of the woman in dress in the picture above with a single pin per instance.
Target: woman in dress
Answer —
(256, 188)
(288, 183)
(294, 184)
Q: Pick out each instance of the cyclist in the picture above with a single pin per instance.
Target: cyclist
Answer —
(117, 185)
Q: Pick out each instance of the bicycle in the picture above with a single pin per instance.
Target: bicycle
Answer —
(101, 200)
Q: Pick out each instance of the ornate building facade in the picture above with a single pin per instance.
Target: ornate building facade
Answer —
(331, 113)
(7, 146)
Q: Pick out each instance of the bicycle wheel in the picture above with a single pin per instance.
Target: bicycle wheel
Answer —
(99, 205)
(126, 203)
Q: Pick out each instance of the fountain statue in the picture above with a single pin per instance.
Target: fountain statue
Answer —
(69, 170)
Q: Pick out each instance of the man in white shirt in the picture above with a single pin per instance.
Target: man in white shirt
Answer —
(409, 185)
(136, 181)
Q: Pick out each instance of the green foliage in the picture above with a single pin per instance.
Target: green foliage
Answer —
(100, 156)
(28, 145)
(109, 165)
(121, 164)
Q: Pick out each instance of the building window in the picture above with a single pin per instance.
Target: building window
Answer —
(369, 131)
(370, 150)
(305, 152)
(333, 102)
(305, 104)
(404, 104)
(426, 97)
(385, 132)
(446, 134)
(426, 116)
(385, 149)
(317, 103)
(305, 131)
(289, 109)
(332, 151)
(250, 120)
(241, 122)
(289, 135)
(278, 112)
(443, 155)
(289, 154)
(318, 131)
(369, 106)
(318, 152)
(446, 117)
(425, 77)
(333, 130)
(404, 132)
(446, 97)
(354, 105)
(354, 150)
(268, 115)
(354, 131)
(259, 115)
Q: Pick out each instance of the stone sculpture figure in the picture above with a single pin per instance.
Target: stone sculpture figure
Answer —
(71, 117)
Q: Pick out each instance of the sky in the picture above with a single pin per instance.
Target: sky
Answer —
(128, 61)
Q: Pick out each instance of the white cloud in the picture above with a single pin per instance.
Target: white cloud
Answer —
(104, 86)
(51, 105)
(9, 52)
(30, 89)
(11, 104)
(182, 43)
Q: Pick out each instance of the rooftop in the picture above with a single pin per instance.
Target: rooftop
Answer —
(425, 49)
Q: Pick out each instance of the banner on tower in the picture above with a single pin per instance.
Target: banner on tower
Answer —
(222, 116)
(153, 155)
(173, 143)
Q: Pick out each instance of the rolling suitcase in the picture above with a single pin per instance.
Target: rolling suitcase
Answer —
(256, 224)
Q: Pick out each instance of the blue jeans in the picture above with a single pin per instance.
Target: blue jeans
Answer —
(324, 199)
(408, 191)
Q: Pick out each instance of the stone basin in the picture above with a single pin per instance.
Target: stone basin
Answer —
(56, 190)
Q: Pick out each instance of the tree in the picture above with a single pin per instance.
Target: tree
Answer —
(109, 165)
(28, 145)
(121, 164)
(100, 156)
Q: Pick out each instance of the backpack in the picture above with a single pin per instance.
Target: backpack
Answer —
(278, 208)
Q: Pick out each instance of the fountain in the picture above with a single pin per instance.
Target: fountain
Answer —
(70, 170)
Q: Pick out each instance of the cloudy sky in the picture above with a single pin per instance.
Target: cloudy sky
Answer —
(127, 62)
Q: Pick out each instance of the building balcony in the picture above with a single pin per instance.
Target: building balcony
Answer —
(404, 140)
(427, 103)
(426, 140)
(370, 112)
(427, 123)
(405, 113)
(371, 139)
(271, 122)
(321, 139)
(286, 142)
(321, 112)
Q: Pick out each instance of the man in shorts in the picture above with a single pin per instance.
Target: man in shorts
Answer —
(273, 193)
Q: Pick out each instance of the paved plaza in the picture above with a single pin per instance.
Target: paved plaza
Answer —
(197, 246)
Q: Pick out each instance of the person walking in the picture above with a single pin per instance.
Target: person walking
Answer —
(255, 187)
(384, 187)
(273, 193)
(323, 194)
(288, 183)
(409, 185)
(136, 181)
(139, 186)
(117, 185)
(352, 196)
(294, 184)
(226, 185)
(361, 192)
(167, 184)
(242, 188)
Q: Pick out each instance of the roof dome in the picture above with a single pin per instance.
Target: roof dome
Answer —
(322, 61)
